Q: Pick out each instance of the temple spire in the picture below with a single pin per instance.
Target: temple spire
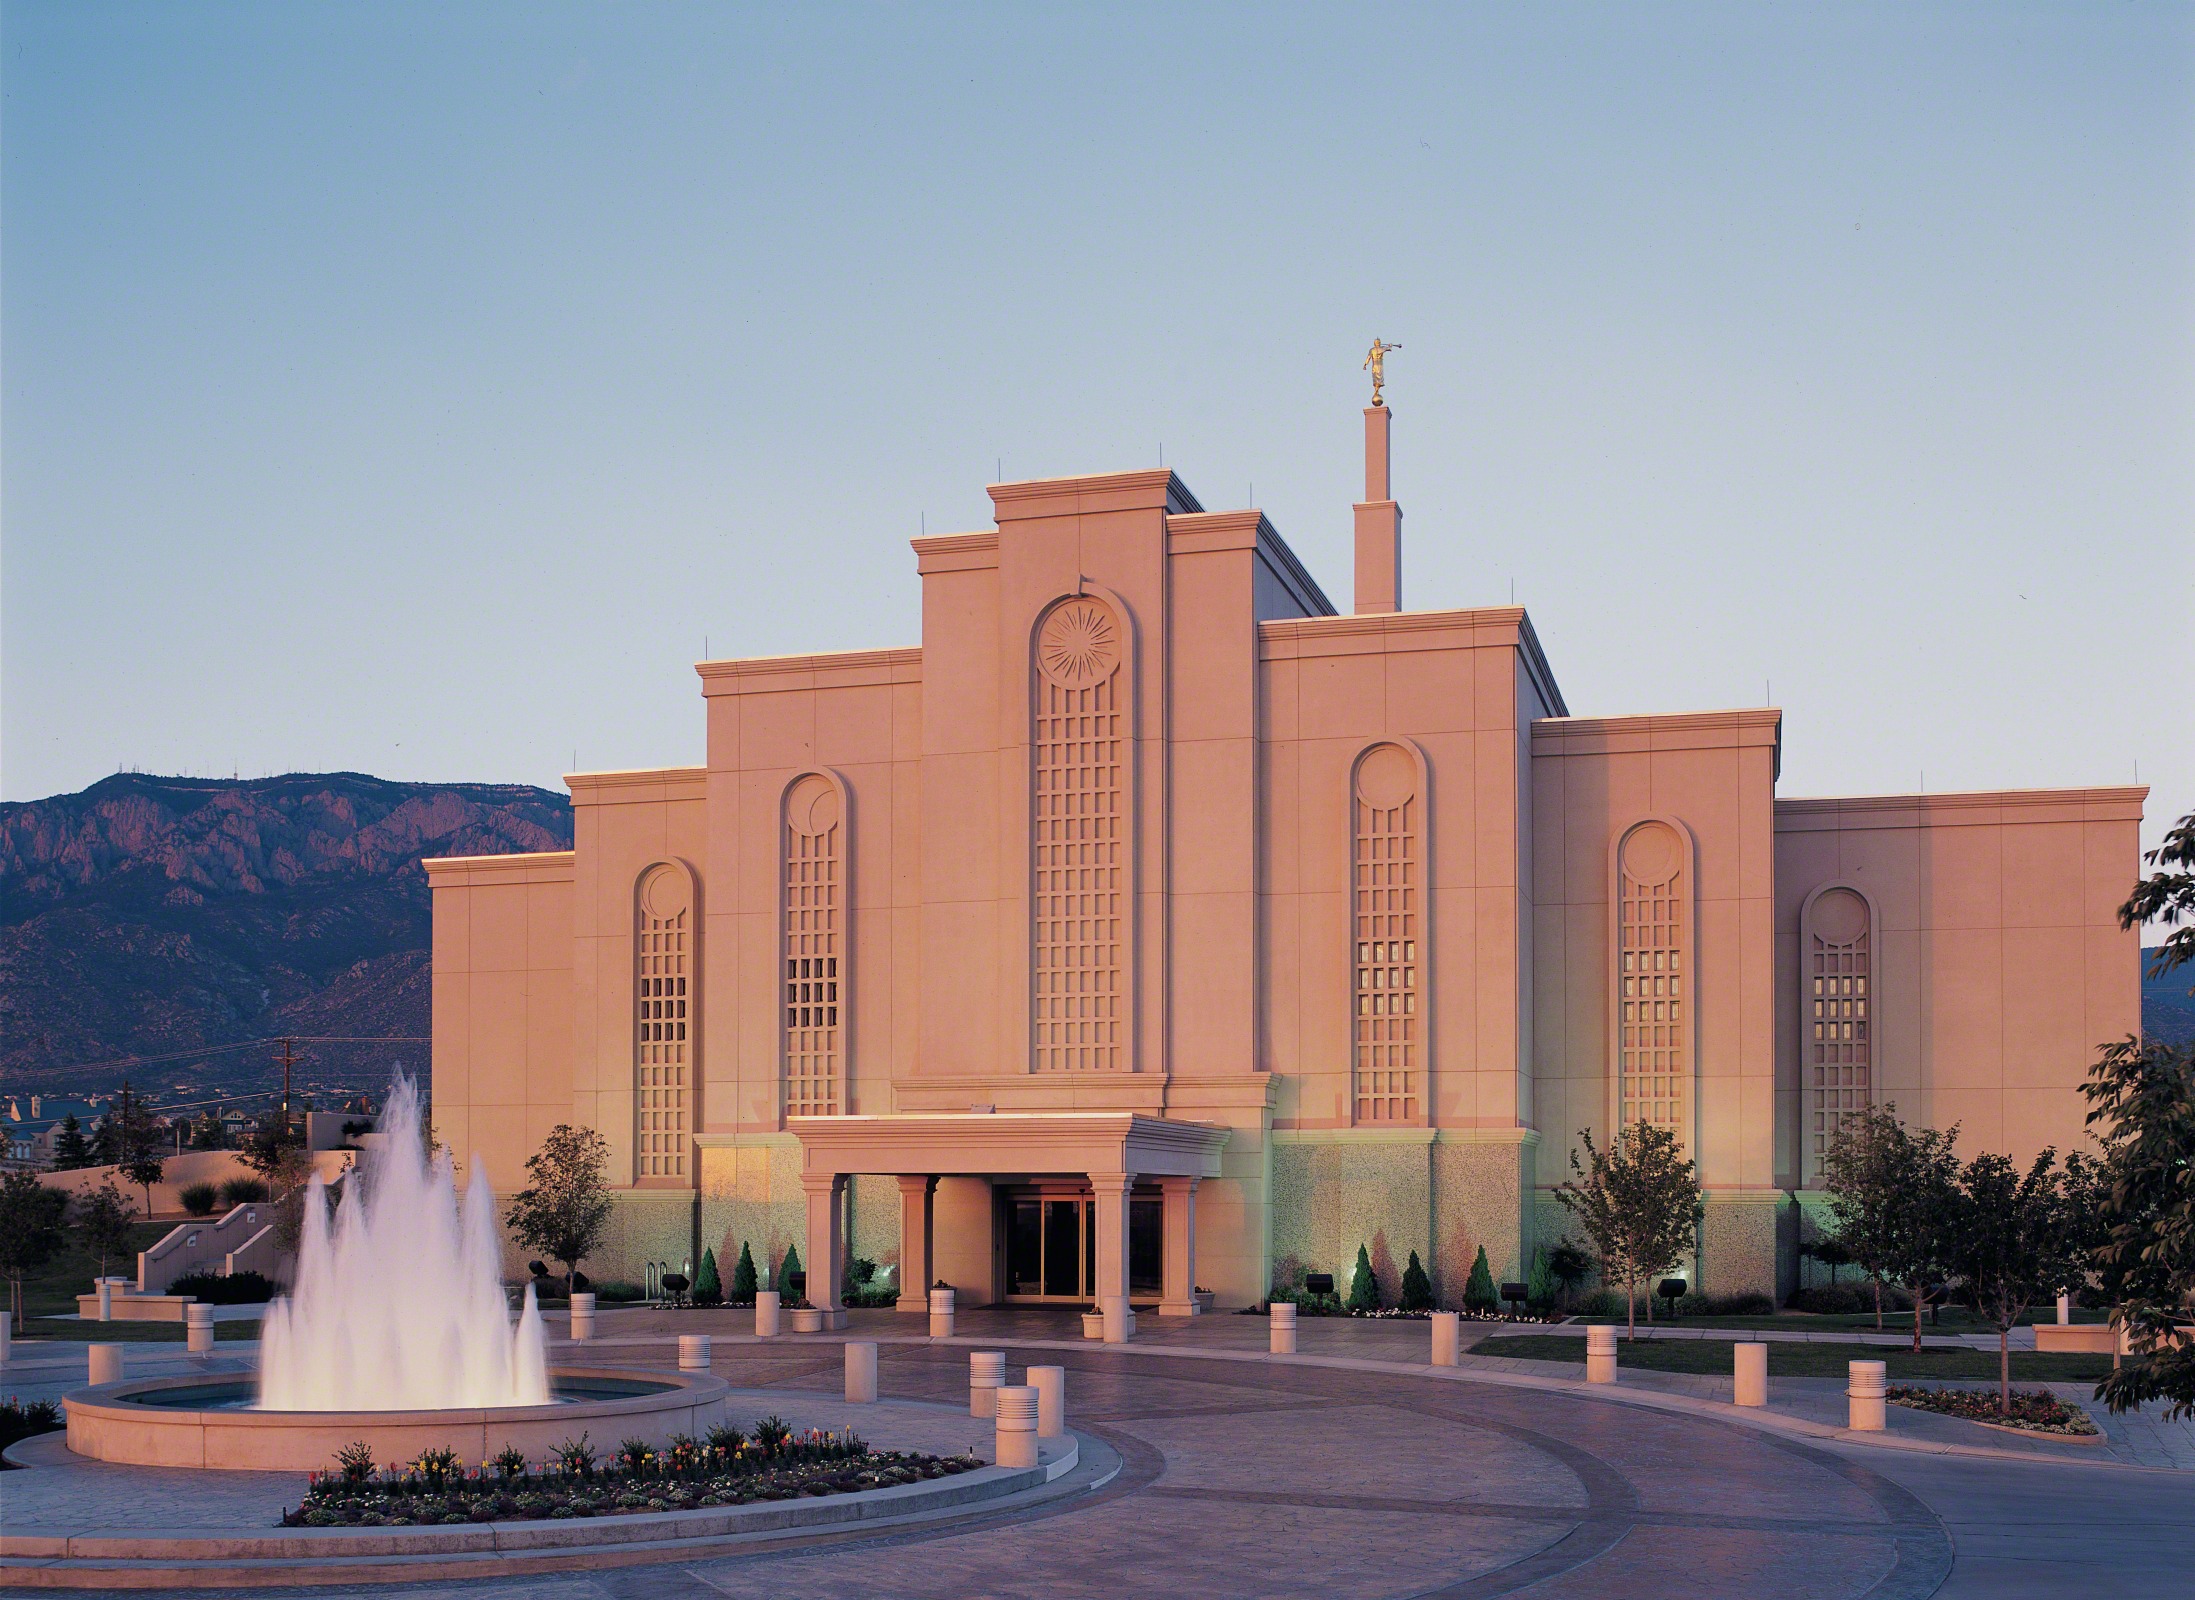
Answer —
(1379, 519)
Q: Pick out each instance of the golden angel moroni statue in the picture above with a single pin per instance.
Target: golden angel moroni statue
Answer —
(1376, 359)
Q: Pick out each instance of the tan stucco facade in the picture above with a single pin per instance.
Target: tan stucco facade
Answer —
(1144, 834)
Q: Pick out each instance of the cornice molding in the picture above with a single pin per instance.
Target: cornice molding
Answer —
(2107, 804)
(843, 668)
(1154, 489)
(638, 784)
(538, 866)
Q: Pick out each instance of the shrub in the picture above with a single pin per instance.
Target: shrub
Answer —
(1417, 1288)
(199, 1199)
(237, 1289)
(509, 1463)
(614, 1293)
(787, 1268)
(243, 1191)
(1364, 1292)
(634, 1455)
(354, 1463)
(1478, 1293)
(708, 1288)
(724, 1443)
(1540, 1286)
(435, 1467)
(1750, 1303)
(770, 1435)
(576, 1456)
(20, 1421)
(1839, 1299)
(744, 1282)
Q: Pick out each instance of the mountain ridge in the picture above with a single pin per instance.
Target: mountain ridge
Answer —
(147, 915)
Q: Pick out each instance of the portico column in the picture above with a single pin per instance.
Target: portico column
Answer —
(1110, 1191)
(917, 1207)
(826, 1192)
(1180, 1299)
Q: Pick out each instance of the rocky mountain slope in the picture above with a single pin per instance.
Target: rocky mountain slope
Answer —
(151, 915)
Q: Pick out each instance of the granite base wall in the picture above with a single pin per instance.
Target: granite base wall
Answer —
(1443, 1199)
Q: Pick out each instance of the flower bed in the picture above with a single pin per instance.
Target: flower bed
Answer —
(1327, 1305)
(2033, 1410)
(728, 1468)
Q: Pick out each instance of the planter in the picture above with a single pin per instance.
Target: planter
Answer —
(807, 1319)
(1093, 1324)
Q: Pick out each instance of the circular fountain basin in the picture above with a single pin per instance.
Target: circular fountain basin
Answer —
(207, 1421)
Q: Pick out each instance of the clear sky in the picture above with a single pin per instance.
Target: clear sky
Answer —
(420, 389)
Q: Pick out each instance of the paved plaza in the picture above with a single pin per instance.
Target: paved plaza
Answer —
(1355, 1469)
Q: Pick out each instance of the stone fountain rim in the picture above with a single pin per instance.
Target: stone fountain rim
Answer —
(692, 1388)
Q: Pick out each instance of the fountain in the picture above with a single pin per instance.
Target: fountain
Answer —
(397, 1333)
(343, 1340)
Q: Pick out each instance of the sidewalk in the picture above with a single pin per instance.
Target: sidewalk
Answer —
(1891, 1337)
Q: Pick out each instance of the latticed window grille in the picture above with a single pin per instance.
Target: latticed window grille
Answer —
(1653, 977)
(1079, 847)
(813, 941)
(1385, 891)
(1838, 1002)
(662, 1065)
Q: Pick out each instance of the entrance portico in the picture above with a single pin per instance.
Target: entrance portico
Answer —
(1109, 1150)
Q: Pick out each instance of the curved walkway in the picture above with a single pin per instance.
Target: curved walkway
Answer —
(1348, 1474)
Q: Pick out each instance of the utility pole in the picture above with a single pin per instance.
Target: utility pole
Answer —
(286, 1059)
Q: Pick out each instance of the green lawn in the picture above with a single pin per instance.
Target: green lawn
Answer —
(1952, 1319)
(1801, 1360)
(131, 1332)
(55, 1286)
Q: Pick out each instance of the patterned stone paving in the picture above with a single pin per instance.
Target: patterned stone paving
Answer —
(1248, 1478)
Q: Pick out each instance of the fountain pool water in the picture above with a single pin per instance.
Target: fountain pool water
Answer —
(399, 1304)
(395, 1336)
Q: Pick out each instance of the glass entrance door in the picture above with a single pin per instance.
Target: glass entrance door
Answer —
(1051, 1245)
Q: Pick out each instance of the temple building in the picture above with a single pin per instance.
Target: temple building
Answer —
(1154, 929)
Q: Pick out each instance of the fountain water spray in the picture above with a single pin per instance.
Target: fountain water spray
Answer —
(399, 1306)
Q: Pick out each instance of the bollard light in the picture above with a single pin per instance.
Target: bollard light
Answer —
(1749, 1373)
(1867, 1387)
(1016, 1428)
(1050, 1384)
(941, 1312)
(1447, 1338)
(860, 1372)
(1283, 1321)
(986, 1374)
(1600, 1354)
(767, 1312)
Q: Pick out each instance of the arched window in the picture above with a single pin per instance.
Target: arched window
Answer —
(1079, 841)
(1654, 978)
(1836, 1005)
(1387, 911)
(663, 1015)
(814, 943)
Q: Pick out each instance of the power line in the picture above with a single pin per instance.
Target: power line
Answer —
(248, 1044)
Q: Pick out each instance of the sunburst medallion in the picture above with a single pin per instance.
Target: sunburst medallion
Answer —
(1079, 645)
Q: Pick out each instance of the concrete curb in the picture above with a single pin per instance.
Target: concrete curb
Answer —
(1615, 1394)
(143, 1559)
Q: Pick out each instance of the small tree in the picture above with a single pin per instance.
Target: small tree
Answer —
(138, 1142)
(1569, 1266)
(1417, 1288)
(1896, 1197)
(103, 1218)
(1539, 1286)
(30, 1230)
(708, 1288)
(1478, 1290)
(105, 1148)
(207, 1132)
(1364, 1283)
(565, 1210)
(2167, 897)
(1639, 1202)
(786, 1269)
(2141, 1095)
(744, 1280)
(71, 1149)
(2019, 1240)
